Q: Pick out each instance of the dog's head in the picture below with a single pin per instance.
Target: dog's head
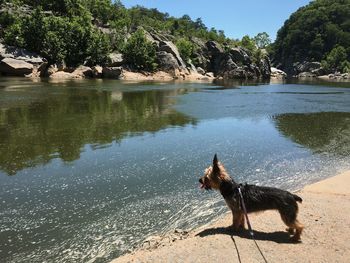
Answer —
(214, 175)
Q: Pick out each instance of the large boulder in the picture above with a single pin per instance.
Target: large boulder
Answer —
(65, 76)
(167, 61)
(83, 71)
(169, 47)
(265, 68)
(97, 71)
(20, 54)
(277, 73)
(112, 72)
(15, 67)
(240, 56)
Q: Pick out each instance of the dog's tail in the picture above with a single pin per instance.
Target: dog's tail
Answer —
(297, 198)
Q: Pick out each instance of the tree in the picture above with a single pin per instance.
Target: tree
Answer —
(139, 52)
(262, 40)
(248, 43)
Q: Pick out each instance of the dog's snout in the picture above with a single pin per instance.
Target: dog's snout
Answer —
(200, 180)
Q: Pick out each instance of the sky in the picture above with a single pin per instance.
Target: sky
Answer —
(236, 17)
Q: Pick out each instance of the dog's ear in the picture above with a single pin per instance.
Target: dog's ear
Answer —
(216, 168)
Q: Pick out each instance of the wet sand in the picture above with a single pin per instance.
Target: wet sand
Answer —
(325, 212)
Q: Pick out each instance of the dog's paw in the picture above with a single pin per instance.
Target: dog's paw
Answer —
(290, 230)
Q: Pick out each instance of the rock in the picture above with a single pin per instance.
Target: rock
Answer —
(83, 71)
(20, 54)
(97, 71)
(65, 75)
(15, 67)
(116, 60)
(112, 72)
(240, 56)
(277, 73)
(169, 47)
(214, 48)
(210, 74)
(51, 70)
(306, 75)
(265, 67)
(200, 70)
(167, 61)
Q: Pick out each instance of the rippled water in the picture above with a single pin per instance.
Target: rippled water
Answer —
(89, 169)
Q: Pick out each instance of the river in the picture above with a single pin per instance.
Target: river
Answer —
(89, 169)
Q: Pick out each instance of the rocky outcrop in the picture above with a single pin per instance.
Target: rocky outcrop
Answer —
(19, 61)
(20, 54)
(167, 61)
(169, 47)
(15, 67)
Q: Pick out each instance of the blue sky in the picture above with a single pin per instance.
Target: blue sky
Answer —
(236, 17)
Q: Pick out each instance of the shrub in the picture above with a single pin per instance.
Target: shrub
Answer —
(185, 48)
(139, 52)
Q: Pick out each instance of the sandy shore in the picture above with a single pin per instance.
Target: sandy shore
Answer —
(325, 212)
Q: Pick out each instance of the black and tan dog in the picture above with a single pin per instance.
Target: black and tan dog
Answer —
(256, 198)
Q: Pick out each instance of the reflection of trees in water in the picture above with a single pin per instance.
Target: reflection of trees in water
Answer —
(59, 126)
(320, 132)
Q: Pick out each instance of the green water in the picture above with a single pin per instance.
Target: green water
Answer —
(89, 169)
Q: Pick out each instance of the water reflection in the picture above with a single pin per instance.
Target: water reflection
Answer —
(322, 132)
(60, 125)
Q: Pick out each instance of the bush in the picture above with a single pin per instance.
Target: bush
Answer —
(140, 53)
(336, 59)
(99, 49)
(185, 48)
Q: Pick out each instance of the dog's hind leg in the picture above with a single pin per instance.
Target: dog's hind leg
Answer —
(293, 224)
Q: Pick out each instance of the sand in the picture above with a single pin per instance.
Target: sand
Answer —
(325, 212)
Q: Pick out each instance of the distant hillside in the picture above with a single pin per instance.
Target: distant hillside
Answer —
(318, 32)
(73, 30)
(105, 33)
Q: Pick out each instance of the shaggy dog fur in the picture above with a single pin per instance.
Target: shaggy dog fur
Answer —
(256, 198)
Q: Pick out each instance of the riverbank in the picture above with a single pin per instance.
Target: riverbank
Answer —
(324, 212)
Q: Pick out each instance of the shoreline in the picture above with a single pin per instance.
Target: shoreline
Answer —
(324, 212)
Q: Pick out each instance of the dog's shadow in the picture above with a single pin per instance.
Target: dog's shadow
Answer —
(278, 236)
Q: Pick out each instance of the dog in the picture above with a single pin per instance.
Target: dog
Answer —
(256, 198)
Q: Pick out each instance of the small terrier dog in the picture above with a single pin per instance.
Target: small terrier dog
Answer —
(256, 198)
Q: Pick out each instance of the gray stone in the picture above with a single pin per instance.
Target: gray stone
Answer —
(239, 55)
(112, 72)
(20, 54)
(116, 60)
(97, 71)
(83, 71)
(200, 70)
(167, 61)
(169, 47)
(15, 67)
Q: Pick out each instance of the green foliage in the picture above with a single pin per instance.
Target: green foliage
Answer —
(185, 48)
(336, 59)
(345, 66)
(99, 49)
(248, 43)
(262, 40)
(140, 53)
(311, 33)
